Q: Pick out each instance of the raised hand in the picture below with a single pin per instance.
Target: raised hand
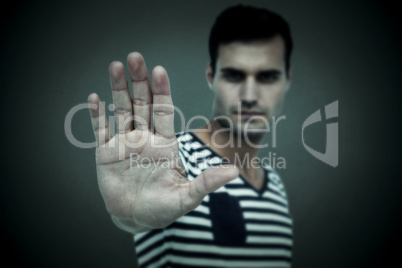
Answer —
(140, 174)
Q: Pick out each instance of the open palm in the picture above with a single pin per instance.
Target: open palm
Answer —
(140, 175)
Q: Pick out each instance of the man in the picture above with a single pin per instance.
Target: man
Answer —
(199, 199)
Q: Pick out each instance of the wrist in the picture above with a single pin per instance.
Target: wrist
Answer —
(129, 225)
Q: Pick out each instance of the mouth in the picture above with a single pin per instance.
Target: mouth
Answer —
(243, 113)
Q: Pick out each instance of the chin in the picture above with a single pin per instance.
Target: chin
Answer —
(253, 131)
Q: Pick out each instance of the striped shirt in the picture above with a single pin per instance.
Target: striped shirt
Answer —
(236, 226)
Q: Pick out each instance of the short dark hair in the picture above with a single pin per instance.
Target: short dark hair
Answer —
(247, 23)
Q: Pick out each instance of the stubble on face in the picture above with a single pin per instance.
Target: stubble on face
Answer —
(249, 94)
(253, 128)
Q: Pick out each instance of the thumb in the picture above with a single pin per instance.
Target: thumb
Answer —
(210, 180)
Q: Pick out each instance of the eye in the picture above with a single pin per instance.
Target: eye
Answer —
(268, 77)
(233, 76)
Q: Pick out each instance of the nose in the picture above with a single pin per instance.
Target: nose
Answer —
(249, 93)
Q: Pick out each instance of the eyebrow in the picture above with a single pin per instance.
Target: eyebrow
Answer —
(263, 72)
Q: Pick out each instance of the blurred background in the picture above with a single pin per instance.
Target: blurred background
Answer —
(54, 54)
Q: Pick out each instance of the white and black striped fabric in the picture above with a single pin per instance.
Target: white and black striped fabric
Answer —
(236, 226)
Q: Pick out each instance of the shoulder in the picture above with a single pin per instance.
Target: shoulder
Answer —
(192, 152)
(184, 137)
(189, 143)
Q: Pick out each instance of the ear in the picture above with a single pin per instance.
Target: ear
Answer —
(209, 75)
(288, 79)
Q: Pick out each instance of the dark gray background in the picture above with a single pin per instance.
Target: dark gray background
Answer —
(54, 55)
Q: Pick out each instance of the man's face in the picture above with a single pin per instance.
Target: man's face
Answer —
(249, 83)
